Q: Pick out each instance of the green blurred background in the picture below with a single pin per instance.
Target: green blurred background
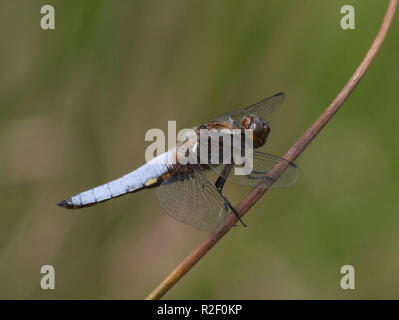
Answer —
(75, 104)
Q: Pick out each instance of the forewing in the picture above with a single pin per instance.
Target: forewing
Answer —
(262, 163)
(262, 108)
(189, 197)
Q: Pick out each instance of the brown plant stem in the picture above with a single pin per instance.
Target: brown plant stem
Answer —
(253, 196)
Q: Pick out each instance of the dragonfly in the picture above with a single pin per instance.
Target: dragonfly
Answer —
(183, 189)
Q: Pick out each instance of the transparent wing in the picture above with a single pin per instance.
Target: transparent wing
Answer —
(262, 163)
(262, 108)
(189, 197)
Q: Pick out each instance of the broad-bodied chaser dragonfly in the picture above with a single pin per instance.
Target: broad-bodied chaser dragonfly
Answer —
(184, 191)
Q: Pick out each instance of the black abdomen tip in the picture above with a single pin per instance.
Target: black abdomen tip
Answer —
(66, 204)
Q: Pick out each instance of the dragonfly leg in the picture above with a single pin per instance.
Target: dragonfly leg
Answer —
(219, 184)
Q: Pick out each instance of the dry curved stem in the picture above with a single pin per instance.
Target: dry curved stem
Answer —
(253, 196)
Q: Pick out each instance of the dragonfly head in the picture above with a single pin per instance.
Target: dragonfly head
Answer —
(260, 129)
